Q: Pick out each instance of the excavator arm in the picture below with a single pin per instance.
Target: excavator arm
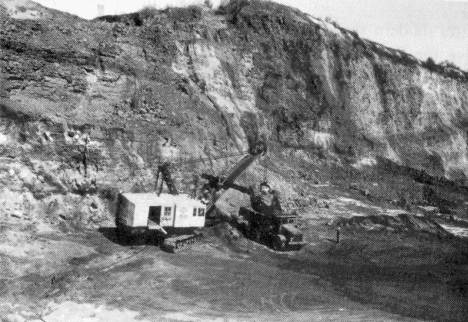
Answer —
(220, 185)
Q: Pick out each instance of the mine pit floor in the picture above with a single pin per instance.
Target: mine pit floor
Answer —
(367, 276)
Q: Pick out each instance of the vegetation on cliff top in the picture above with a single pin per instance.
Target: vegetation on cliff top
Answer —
(236, 10)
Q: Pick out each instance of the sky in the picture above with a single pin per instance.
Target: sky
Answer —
(423, 28)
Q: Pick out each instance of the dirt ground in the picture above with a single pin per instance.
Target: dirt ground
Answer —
(127, 82)
(368, 276)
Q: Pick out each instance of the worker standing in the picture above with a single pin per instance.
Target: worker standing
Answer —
(338, 233)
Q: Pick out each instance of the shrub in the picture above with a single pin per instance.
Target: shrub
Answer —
(147, 13)
(188, 14)
(208, 4)
(354, 34)
(429, 63)
(449, 64)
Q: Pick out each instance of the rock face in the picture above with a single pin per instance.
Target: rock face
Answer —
(86, 106)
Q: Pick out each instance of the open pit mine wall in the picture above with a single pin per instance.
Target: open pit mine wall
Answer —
(212, 83)
(312, 85)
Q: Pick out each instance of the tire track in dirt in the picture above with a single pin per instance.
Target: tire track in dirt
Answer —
(60, 284)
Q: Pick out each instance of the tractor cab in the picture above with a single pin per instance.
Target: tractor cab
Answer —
(277, 229)
(140, 212)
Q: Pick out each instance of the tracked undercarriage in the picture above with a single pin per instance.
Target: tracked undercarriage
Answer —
(176, 243)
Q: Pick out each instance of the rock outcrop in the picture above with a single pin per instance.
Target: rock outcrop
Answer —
(87, 105)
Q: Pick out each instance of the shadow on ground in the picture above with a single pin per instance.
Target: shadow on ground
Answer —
(115, 237)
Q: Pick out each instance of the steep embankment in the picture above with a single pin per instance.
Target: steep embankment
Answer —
(90, 107)
(87, 105)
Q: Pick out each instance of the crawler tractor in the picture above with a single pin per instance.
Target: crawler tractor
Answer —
(265, 221)
(176, 218)
(173, 216)
(278, 230)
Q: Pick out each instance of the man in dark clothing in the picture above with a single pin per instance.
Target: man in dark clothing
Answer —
(265, 201)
